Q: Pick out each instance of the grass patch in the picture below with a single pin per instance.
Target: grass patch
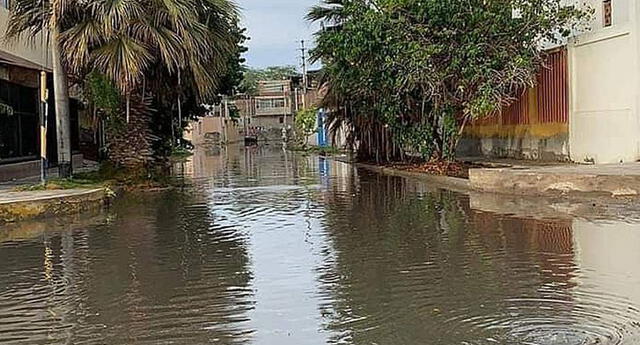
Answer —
(59, 183)
(108, 176)
(181, 153)
(129, 178)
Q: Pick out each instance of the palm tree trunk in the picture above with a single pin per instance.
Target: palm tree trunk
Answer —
(61, 95)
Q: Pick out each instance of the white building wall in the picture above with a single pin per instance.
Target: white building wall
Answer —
(604, 88)
(31, 50)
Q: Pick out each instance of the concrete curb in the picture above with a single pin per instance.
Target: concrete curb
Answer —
(555, 182)
(18, 206)
(455, 184)
(554, 205)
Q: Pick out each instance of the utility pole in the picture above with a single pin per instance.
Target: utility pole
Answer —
(303, 55)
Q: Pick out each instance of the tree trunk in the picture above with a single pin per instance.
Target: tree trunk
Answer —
(61, 96)
(130, 145)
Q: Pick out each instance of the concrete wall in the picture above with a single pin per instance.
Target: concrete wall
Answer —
(534, 127)
(210, 130)
(604, 77)
(29, 169)
(29, 50)
(269, 122)
(528, 146)
(604, 95)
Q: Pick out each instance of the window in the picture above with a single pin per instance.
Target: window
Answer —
(607, 13)
(270, 103)
(18, 122)
(281, 119)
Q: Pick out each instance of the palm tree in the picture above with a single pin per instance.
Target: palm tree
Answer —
(32, 17)
(330, 11)
(127, 39)
(145, 48)
(163, 49)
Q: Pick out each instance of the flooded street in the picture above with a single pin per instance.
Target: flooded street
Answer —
(263, 247)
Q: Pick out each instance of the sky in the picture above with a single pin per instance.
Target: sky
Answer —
(275, 28)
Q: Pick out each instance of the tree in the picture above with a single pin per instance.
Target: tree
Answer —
(30, 18)
(408, 75)
(253, 75)
(159, 55)
(232, 81)
(306, 123)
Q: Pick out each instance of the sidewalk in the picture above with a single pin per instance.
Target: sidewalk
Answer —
(614, 180)
(21, 205)
(18, 206)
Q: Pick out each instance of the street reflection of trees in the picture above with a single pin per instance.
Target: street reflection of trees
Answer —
(409, 267)
(157, 270)
(174, 272)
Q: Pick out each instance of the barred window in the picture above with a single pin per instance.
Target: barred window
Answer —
(607, 13)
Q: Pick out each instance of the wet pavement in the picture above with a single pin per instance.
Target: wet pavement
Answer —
(266, 247)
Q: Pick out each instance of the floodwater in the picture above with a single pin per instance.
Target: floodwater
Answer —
(263, 247)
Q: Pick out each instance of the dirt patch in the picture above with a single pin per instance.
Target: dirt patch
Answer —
(451, 169)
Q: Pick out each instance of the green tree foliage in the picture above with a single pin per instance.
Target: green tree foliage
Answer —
(102, 92)
(253, 75)
(408, 75)
(306, 123)
(232, 81)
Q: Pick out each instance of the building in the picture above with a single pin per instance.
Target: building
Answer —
(274, 107)
(586, 106)
(261, 116)
(220, 125)
(21, 64)
(604, 85)
(20, 67)
(273, 104)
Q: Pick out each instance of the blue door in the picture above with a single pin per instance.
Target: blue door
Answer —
(322, 131)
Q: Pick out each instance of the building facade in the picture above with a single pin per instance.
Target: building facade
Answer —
(262, 116)
(22, 63)
(216, 127)
(604, 90)
(274, 106)
(20, 67)
(585, 107)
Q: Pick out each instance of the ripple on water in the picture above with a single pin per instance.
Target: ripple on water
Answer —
(273, 252)
(551, 319)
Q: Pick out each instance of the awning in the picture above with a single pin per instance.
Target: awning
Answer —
(15, 60)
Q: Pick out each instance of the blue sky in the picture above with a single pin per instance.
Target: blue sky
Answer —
(276, 28)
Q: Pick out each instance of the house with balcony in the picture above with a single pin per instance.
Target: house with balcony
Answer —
(273, 105)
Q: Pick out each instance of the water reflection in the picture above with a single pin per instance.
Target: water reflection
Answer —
(151, 271)
(269, 247)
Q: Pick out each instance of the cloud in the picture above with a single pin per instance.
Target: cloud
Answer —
(276, 28)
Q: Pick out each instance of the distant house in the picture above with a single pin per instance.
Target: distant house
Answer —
(217, 127)
(261, 116)
(586, 106)
(274, 104)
